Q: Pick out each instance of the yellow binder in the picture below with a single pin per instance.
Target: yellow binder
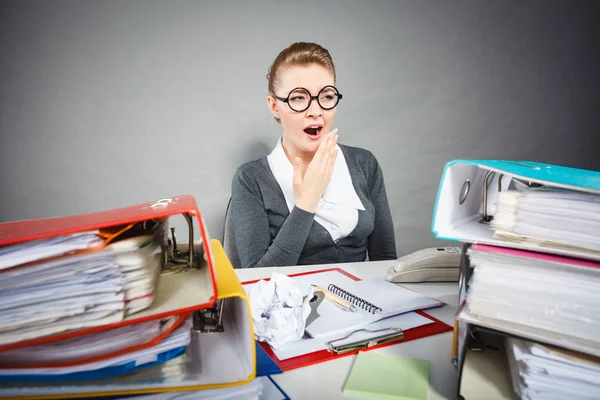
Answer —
(217, 357)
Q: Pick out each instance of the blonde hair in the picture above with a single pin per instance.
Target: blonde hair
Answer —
(299, 53)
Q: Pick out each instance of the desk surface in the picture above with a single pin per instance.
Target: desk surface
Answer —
(326, 380)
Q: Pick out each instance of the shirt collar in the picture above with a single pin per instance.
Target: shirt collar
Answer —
(340, 190)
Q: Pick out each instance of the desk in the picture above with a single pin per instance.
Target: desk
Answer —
(326, 380)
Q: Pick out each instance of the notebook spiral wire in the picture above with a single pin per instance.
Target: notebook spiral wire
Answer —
(357, 301)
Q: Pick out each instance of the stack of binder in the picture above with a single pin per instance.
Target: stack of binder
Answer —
(108, 303)
(528, 324)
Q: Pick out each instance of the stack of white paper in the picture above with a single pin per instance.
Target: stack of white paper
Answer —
(87, 346)
(249, 391)
(547, 373)
(174, 369)
(92, 293)
(556, 297)
(22, 253)
(57, 290)
(176, 340)
(139, 271)
(559, 218)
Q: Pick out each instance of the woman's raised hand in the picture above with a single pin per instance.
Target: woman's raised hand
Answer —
(309, 188)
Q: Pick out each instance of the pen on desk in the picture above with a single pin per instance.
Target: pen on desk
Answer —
(345, 304)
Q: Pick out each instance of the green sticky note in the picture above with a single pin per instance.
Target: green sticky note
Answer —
(384, 376)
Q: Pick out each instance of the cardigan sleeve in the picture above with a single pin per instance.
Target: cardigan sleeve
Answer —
(382, 241)
(252, 231)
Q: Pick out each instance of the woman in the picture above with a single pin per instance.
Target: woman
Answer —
(311, 200)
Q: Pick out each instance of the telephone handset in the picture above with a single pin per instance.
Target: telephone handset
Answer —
(436, 264)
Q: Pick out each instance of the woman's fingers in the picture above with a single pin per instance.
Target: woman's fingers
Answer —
(330, 165)
(331, 153)
(333, 149)
(326, 149)
(325, 145)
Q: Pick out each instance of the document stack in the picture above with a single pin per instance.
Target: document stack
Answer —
(108, 303)
(529, 316)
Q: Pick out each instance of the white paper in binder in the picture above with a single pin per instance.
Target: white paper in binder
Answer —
(468, 204)
(539, 296)
(547, 373)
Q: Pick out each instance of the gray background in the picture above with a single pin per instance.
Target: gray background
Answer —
(111, 103)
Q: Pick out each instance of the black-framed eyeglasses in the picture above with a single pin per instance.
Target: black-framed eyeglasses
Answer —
(299, 99)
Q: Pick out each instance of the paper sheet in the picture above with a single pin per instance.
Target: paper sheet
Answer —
(542, 372)
(83, 347)
(180, 337)
(309, 345)
(21, 253)
(252, 390)
(69, 292)
(331, 320)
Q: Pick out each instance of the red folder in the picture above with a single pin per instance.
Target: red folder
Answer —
(324, 355)
(176, 294)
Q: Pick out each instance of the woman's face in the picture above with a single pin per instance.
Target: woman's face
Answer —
(304, 130)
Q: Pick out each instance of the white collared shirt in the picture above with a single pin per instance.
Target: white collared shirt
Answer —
(337, 210)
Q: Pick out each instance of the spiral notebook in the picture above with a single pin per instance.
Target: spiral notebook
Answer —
(375, 299)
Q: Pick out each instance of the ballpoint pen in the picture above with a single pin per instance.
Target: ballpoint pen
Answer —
(344, 304)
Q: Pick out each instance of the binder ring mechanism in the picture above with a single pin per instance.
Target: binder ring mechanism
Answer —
(384, 335)
(176, 261)
(486, 219)
(209, 320)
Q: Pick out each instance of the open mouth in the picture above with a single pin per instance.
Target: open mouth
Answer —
(314, 131)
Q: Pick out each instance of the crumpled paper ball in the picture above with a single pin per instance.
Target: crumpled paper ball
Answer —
(279, 311)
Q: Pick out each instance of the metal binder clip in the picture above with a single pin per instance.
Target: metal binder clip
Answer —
(176, 261)
(487, 218)
(209, 320)
(385, 335)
